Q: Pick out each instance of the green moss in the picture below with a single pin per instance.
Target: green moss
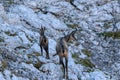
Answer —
(29, 62)
(10, 34)
(107, 25)
(85, 62)
(77, 44)
(10, 1)
(90, 70)
(114, 35)
(75, 56)
(87, 52)
(38, 64)
(20, 47)
(72, 25)
(4, 65)
(29, 55)
(33, 54)
(37, 54)
(1, 39)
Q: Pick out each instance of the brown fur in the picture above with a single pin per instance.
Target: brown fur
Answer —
(62, 50)
(44, 42)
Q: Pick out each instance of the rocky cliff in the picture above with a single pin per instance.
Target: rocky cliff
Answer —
(94, 56)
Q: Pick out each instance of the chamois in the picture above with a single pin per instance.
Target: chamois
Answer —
(62, 50)
(44, 42)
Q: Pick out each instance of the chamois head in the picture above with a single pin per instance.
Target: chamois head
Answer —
(42, 30)
(72, 35)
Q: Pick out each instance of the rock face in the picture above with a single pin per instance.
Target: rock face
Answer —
(94, 56)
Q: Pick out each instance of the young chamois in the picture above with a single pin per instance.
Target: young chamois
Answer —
(44, 42)
(62, 50)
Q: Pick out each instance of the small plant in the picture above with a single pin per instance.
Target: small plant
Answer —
(21, 47)
(107, 25)
(9, 1)
(33, 54)
(90, 70)
(10, 34)
(37, 54)
(29, 62)
(38, 64)
(4, 65)
(85, 62)
(114, 35)
(87, 52)
(72, 25)
(1, 39)
(75, 56)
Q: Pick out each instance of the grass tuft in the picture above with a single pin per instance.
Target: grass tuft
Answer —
(73, 26)
(1, 39)
(85, 62)
(114, 35)
(10, 34)
(87, 52)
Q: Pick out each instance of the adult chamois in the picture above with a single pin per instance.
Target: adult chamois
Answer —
(62, 50)
(44, 42)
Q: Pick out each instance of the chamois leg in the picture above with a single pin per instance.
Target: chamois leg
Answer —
(41, 50)
(47, 52)
(66, 62)
(61, 62)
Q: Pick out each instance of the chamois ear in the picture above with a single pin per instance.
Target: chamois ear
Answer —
(72, 34)
(44, 28)
(41, 28)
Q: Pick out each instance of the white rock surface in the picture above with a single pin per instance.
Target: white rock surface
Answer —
(19, 34)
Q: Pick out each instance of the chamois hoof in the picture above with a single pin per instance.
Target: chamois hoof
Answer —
(48, 57)
(66, 77)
